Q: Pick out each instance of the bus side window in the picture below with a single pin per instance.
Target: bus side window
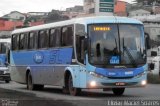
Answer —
(3, 48)
(58, 37)
(67, 36)
(15, 42)
(31, 40)
(23, 42)
(43, 39)
(52, 38)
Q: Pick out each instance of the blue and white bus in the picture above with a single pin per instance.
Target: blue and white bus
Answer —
(4, 49)
(84, 53)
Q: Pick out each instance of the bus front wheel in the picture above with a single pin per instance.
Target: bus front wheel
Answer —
(72, 90)
(118, 91)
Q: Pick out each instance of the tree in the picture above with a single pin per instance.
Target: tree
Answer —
(54, 16)
(28, 20)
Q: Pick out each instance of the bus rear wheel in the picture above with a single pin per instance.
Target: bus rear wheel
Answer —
(7, 81)
(118, 91)
(72, 90)
(30, 85)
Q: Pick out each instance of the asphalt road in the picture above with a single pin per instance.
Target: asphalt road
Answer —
(52, 96)
(14, 98)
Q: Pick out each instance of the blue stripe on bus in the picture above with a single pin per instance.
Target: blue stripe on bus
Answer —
(42, 57)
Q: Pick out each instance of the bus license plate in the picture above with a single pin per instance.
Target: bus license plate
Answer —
(120, 84)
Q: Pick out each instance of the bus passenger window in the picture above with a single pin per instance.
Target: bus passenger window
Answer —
(23, 42)
(58, 38)
(70, 36)
(43, 39)
(31, 40)
(67, 36)
(15, 42)
(52, 38)
(2, 48)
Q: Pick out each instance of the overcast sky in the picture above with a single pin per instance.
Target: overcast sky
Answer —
(24, 6)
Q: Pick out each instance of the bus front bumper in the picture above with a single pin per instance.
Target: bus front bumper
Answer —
(100, 83)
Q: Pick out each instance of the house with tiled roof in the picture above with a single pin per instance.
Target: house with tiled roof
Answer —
(120, 8)
(15, 15)
(6, 26)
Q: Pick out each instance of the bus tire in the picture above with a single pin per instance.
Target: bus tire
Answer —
(65, 90)
(118, 91)
(30, 85)
(72, 90)
(7, 81)
(38, 87)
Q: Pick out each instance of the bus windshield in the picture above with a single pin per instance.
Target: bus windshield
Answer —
(117, 44)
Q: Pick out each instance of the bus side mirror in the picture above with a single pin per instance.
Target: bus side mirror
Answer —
(147, 41)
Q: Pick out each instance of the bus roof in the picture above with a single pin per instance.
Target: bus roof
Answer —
(83, 20)
(7, 40)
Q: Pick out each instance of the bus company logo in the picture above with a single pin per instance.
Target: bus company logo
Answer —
(38, 57)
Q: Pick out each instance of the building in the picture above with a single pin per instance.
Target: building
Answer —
(7, 26)
(89, 6)
(36, 23)
(73, 12)
(75, 9)
(105, 7)
(156, 9)
(120, 8)
(153, 29)
(139, 12)
(37, 13)
(15, 15)
(99, 7)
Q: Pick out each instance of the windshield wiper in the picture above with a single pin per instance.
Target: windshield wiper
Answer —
(129, 55)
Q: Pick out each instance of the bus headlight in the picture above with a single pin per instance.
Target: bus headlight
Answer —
(96, 75)
(93, 83)
(144, 82)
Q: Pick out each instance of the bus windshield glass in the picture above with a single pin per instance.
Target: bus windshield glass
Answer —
(117, 44)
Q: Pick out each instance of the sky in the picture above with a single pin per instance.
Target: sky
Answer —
(24, 6)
